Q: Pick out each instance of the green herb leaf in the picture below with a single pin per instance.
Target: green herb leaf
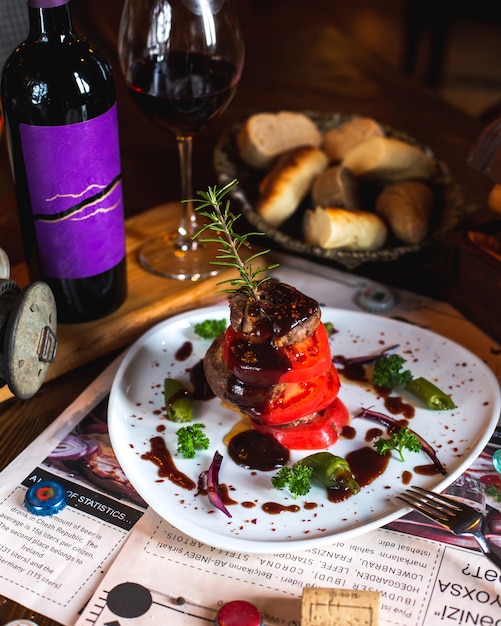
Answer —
(190, 438)
(210, 329)
(399, 440)
(388, 372)
(220, 229)
(297, 479)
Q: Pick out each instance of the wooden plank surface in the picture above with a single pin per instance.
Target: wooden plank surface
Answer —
(150, 300)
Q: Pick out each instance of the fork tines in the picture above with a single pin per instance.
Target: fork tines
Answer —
(433, 505)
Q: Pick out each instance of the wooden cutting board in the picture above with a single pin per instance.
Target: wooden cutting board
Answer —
(150, 300)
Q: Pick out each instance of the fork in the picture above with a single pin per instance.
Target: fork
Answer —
(457, 517)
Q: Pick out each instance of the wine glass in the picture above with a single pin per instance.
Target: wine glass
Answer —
(182, 60)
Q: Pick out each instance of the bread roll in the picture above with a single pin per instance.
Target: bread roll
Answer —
(406, 207)
(359, 194)
(338, 228)
(283, 188)
(494, 198)
(340, 140)
(388, 159)
(266, 135)
(327, 188)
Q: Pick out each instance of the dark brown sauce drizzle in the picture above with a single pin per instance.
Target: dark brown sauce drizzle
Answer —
(222, 491)
(160, 456)
(357, 372)
(396, 406)
(372, 434)
(406, 477)
(351, 371)
(184, 352)
(337, 495)
(427, 470)
(255, 450)
(259, 357)
(201, 389)
(366, 464)
(348, 432)
(309, 506)
(274, 508)
(246, 396)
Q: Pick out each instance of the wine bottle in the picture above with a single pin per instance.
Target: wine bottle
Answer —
(61, 126)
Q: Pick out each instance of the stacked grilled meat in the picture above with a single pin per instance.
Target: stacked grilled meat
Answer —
(273, 364)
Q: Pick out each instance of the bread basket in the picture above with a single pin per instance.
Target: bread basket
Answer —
(448, 210)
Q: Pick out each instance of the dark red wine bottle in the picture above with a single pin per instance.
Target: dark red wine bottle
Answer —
(61, 126)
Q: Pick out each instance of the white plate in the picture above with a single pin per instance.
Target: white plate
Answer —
(135, 414)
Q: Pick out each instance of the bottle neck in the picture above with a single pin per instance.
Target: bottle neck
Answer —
(49, 20)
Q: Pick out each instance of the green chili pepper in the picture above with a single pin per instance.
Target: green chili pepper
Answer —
(329, 327)
(429, 394)
(331, 470)
(178, 401)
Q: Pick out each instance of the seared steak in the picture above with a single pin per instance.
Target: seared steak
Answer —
(282, 314)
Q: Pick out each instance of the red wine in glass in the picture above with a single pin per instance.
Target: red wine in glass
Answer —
(183, 92)
(182, 61)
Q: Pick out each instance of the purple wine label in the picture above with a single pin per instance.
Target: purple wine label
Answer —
(46, 4)
(75, 187)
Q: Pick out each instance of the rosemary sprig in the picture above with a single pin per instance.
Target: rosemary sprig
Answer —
(221, 223)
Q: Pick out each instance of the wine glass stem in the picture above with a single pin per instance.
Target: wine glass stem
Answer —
(188, 224)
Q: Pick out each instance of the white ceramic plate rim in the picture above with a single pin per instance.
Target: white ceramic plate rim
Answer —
(136, 398)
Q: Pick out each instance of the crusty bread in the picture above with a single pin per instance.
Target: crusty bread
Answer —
(406, 207)
(340, 140)
(266, 135)
(389, 159)
(327, 188)
(358, 193)
(338, 228)
(494, 198)
(287, 183)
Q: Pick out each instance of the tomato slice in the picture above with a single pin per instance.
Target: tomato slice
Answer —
(296, 400)
(321, 432)
(264, 364)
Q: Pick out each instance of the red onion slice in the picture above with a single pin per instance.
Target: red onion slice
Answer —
(362, 360)
(213, 484)
(393, 424)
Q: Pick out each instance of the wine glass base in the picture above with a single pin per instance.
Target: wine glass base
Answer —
(164, 257)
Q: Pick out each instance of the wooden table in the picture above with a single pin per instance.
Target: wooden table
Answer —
(314, 68)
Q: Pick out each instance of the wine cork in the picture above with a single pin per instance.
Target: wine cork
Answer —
(340, 607)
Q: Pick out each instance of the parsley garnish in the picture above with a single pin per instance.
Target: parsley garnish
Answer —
(388, 372)
(399, 440)
(210, 329)
(296, 478)
(190, 438)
